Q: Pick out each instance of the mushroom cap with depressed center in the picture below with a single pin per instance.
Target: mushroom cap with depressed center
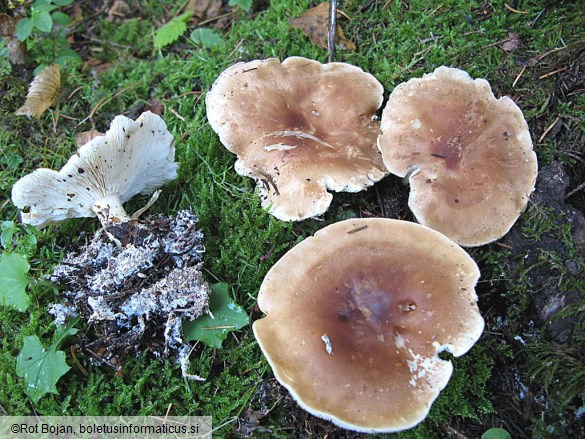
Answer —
(131, 157)
(468, 154)
(356, 318)
(299, 128)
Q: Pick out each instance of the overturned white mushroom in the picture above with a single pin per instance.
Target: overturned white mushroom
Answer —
(132, 157)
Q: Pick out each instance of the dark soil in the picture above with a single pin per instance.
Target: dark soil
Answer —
(133, 284)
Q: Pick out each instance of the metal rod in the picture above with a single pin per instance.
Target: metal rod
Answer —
(332, 29)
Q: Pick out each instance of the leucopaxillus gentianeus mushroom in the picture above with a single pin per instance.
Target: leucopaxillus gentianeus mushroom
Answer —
(357, 315)
(468, 156)
(132, 157)
(299, 128)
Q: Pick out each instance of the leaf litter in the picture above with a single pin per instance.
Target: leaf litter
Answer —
(315, 24)
(135, 295)
(42, 92)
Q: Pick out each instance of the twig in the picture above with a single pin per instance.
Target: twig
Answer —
(82, 369)
(554, 72)
(177, 115)
(516, 11)
(332, 29)
(386, 5)
(574, 191)
(73, 92)
(104, 101)
(550, 127)
(189, 93)
(545, 54)
(168, 411)
(219, 17)
(64, 116)
(236, 48)
(518, 77)
(431, 38)
(109, 43)
(54, 119)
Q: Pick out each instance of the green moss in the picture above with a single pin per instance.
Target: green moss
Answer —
(396, 43)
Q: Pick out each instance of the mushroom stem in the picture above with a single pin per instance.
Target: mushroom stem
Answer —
(109, 210)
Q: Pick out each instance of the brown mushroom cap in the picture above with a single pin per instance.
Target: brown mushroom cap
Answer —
(356, 317)
(470, 153)
(299, 128)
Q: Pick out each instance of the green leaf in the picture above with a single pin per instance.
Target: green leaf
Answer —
(42, 20)
(42, 367)
(228, 316)
(61, 19)
(13, 281)
(42, 8)
(62, 2)
(205, 37)
(9, 228)
(67, 57)
(246, 5)
(23, 29)
(11, 159)
(496, 433)
(171, 31)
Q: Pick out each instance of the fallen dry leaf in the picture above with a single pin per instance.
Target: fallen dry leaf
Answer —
(511, 43)
(15, 50)
(117, 11)
(15, 47)
(204, 9)
(315, 24)
(42, 92)
(7, 26)
(84, 137)
(96, 65)
(155, 106)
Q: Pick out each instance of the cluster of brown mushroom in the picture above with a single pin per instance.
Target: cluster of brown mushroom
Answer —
(358, 314)
(301, 127)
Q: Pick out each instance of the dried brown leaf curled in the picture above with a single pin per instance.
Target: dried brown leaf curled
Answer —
(42, 92)
(118, 11)
(85, 136)
(204, 9)
(315, 24)
(7, 26)
(511, 43)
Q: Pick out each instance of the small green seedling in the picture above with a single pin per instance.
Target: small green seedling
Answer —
(205, 37)
(45, 19)
(246, 5)
(42, 367)
(170, 32)
(42, 18)
(13, 281)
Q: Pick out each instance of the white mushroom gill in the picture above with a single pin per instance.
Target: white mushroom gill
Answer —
(132, 157)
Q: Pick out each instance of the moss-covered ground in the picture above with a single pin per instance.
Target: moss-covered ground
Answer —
(519, 376)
